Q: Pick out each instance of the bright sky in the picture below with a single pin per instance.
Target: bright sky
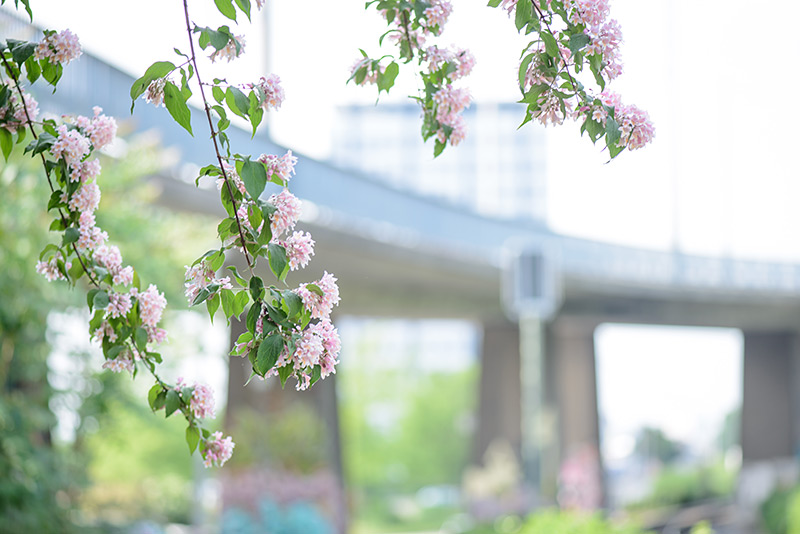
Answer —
(719, 179)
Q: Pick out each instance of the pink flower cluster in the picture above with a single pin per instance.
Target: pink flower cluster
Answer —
(371, 68)
(588, 12)
(230, 51)
(216, 450)
(319, 345)
(462, 58)
(437, 15)
(636, 129)
(49, 269)
(269, 91)
(151, 305)
(299, 249)
(61, 47)
(320, 306)
(202, 402)
(155, 92)
(124, 361)
(70, 145)
(199, 277)
(287, 212)
(605, 42)
(450, 102)
(19, 114)
(550, 109)
(282, 167)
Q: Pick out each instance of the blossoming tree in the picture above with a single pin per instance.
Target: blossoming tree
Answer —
(289, 333)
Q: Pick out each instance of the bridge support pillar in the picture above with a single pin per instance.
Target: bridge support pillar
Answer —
(770, 412)
(499, 396)
(571, 357)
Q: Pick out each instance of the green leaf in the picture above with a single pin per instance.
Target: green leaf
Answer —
(578, 41)
(550, 45)
(294, 304)
(153, 394)
(244, 5)
(252, 316)
(226, 8)
(192, 438)
(177, 107)
(6, 142)
(212, 305)
(219, 94)
(386, 78)
(240, 302)
(316, 374)
(256, 287)
(76, 271)
(612, 131)
(21, 50)
(523, 13)
(33, 69)
(438, 148)
(159, 69)
(268, 353)
(254, 176)
(237, 101)
(226, 296)
(314, 288)
(284, 373)
(140, 338)
(173, 402)
(71, 235)
(277, 260)
(100, 300)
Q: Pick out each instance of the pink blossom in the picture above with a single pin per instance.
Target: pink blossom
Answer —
(122, 362)
(104, 330)
(269, 91)
(20, 114)
(233, 176)
(320, 306)
(155, 335)
(549, 109)
(309, 348)
(282, 166)
(286, 214)
(86, 198)
(70, 145)
(299, 249)
(202, 401)
(62, 47)
(151, 305)
(155, 92)
(91, 236)
(450, 102)
(462, 58)
(123, 276)
(85, 171)
(119, 304)
(109, 257)
(217, 451)
(636, 129)
(50, 268)
(102, 129)
(199, 277)
(371, 70)
(588, 12)
(605, 42)
(230, 51)
(437, 15)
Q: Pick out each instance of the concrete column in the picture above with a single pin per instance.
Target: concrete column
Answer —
(769, 419)
(499, 390)
(572, 359)
(767, 403)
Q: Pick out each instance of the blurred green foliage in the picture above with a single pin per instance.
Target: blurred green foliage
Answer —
(41, 482)
(684, 485)
(404, 431)
(557, 522)
(780, 512)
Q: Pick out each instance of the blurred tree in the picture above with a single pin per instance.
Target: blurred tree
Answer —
(652, 443)
(39, 478)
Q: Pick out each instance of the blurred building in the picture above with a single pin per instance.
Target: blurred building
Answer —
(497, 171)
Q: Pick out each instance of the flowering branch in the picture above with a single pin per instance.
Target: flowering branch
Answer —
(411, 24)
